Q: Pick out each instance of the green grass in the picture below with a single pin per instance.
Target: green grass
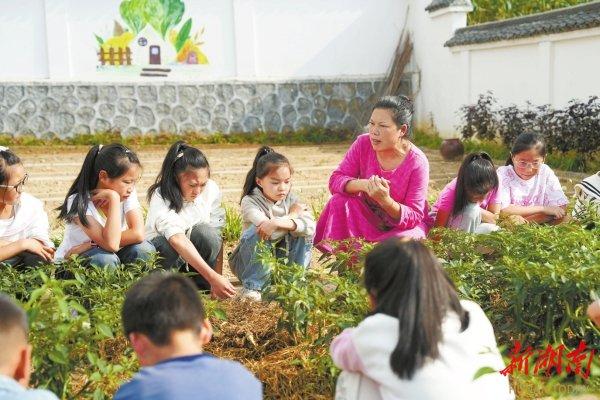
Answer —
(308, 135)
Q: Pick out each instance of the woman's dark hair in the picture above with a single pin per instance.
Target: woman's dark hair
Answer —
(115, 159)
(160, 304)
(401, 108)
(7, 158)
(527, 141)
(476, 175)
(180, 157)
(266, 160)
(407, 283)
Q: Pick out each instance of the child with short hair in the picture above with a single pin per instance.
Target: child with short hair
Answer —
(185, 217)
(273, 214)
(15, 355)
(103, 214)
(469, 202)
(24, 238)
(164, 320)
(419, 341)
(529, 189)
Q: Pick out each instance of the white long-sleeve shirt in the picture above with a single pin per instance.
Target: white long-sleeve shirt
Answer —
(206, 208)
(29, 221)
(367, 349)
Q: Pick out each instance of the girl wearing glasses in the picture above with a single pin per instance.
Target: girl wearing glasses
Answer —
(529, 189)
(470, 202)
(24, 238)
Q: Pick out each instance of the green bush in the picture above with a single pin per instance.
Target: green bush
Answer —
(494, 10)
(74, 311)
(307, 135)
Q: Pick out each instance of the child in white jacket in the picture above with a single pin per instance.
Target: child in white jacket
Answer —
(185, 217)
(420, 341)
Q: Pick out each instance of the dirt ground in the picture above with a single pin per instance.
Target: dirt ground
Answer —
(52, 170)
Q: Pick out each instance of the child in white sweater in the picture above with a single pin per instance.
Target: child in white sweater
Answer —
(24, 227)
(185, 217)
(420, 341)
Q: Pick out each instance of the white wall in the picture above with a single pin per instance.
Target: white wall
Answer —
(243, 39)
(315, 38)
(547, 69)
(23, 40)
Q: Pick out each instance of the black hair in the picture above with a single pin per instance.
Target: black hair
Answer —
(476, 175)
(401, 108)
(7, 158)
(180, 157)
(12, 316)
(407, 283)
(527, 141)
(115, 159)
(161, 303)
(265, 162)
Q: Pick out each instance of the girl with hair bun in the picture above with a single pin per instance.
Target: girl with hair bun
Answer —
(380, 187)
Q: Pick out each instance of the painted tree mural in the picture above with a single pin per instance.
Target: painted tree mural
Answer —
(151, 33)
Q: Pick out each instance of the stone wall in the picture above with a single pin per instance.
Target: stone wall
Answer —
(66, 109)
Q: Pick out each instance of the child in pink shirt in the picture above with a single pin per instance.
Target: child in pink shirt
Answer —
(529, 189)
(470, 202)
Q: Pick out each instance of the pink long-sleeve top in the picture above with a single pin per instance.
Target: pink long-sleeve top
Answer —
(408, 181)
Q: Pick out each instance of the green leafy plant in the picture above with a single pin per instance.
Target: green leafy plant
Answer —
(161, 15)
(233, 224)
(494, 10)
(183, 35)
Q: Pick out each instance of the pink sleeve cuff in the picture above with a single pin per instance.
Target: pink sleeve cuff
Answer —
(344, 353)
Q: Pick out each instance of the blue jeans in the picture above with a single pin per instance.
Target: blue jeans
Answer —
(251, 272)
(134, 252)
(206, 239)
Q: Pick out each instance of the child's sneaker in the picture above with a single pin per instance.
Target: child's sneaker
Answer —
(252, 295)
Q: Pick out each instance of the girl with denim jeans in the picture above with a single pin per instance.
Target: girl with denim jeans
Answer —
(185, 218)
(104, 218)
(273, 215)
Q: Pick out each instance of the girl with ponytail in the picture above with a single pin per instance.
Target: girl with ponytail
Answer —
(24, 226)
(103, 215)
(273, 214)
(419, 341)
(470, 201)
(185, 218)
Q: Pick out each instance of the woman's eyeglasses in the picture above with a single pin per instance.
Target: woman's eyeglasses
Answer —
(19, 186)
(525, 164)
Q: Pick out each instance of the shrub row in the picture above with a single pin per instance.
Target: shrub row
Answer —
(573, 128)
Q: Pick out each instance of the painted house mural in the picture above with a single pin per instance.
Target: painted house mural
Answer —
(151, 40)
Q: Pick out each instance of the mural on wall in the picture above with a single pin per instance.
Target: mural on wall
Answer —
(152, 42)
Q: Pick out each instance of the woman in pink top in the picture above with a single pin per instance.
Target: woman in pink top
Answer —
(529, 189)
(380, 187)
